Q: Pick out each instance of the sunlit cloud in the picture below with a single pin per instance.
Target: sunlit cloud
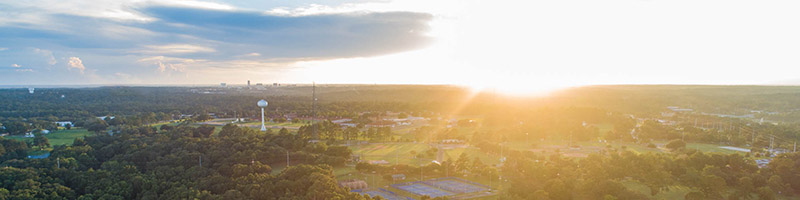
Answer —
(76, 63)
(165, 64)
(16, 65)
(251, 55)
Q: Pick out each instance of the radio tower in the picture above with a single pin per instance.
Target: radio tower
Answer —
(313, 110)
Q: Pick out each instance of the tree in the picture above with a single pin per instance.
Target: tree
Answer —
(676, 144)
(203, 117)
(68, 126)
(745, 187)
(41, 141)
(204, 130)
(97, 126)
(17, 128)
(765, 193)
(694, 195)
(78, 142)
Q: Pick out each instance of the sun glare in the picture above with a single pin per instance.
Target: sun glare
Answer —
(517, 89)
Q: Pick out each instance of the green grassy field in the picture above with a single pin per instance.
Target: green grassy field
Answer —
(61, 137)
(286, 124)
(391, 152)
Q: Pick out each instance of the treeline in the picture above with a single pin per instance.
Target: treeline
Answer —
(333, 101)
(608, 176)
(179, 162)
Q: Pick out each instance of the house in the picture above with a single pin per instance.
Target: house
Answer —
(452, 141)
(339, 121)
(678, 109)
(378, 162)
(64, 123)
(398, 177)
(762, 163)
(344, 122)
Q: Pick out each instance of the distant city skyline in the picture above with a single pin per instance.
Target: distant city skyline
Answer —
(515, 46)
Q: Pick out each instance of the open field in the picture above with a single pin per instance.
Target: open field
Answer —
(60, 137)
(392, 152)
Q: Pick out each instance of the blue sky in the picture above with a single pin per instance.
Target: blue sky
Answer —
(532, 45)
(187, 42)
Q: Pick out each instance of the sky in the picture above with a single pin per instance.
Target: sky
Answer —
(519, 46)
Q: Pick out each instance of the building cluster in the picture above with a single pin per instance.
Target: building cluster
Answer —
(250, 85)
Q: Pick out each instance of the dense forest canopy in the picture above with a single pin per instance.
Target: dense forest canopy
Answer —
(130, 157)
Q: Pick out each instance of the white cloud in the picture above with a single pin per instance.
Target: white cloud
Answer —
(199, 4)
(254, 54)
(175, 49)
(77, 63)
(16, 65)
(3, 49)
(24, 70)
(47, 53)
(171, 63)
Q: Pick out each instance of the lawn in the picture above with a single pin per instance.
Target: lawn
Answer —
(710, 148)
(391, 152)
(268, 124)
(60, 137)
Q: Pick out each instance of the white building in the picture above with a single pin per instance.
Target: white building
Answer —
(64, 123)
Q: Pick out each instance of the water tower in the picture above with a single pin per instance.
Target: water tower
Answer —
(263, 104)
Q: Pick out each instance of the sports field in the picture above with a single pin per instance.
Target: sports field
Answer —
(421, 189)
(448, 186)
(456, 185)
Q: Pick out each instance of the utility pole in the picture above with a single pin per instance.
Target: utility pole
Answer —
(771, 141)
(795, 147)
(58, 162)
(200, 159)
(287, 158)
(528, 139)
